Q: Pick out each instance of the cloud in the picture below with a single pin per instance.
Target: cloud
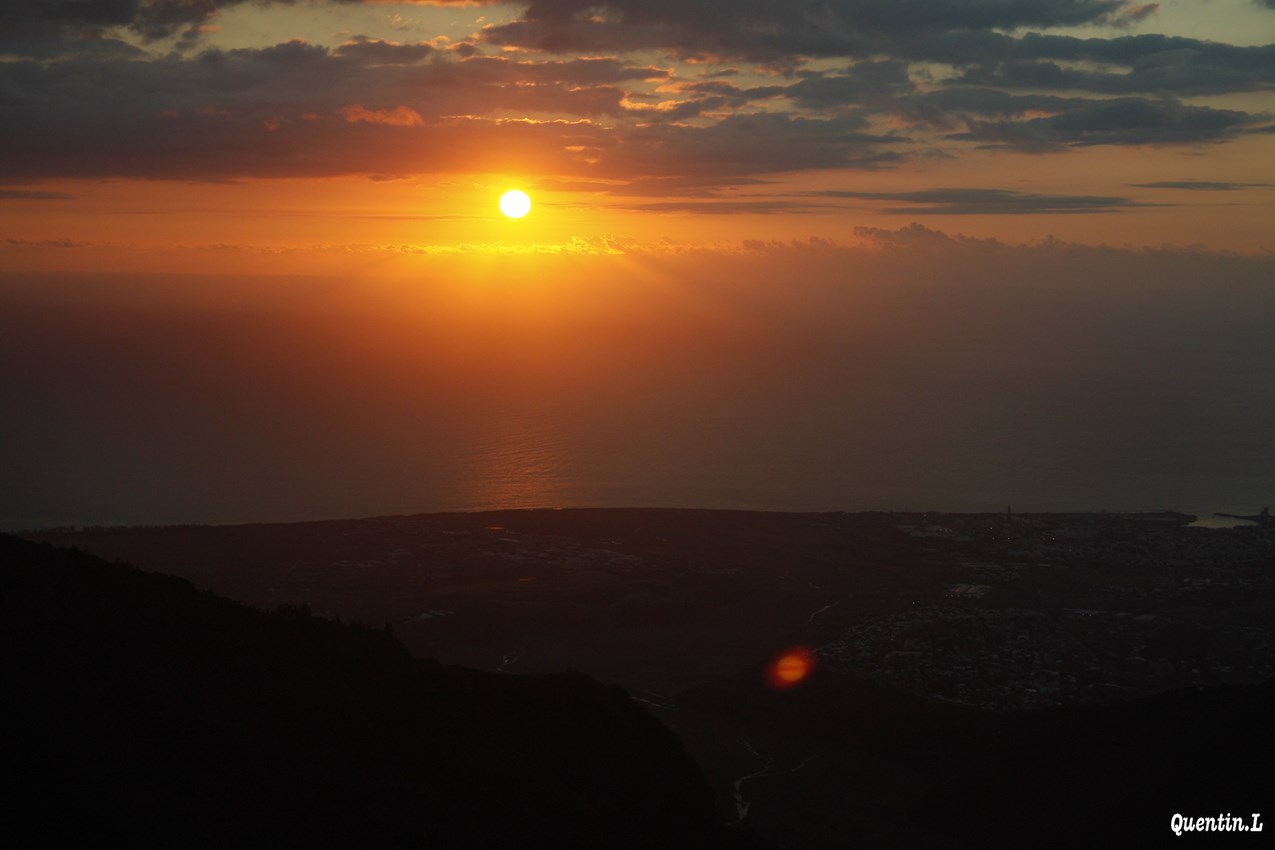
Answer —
(1137, 13)
(985, 202)
(1041, 123)
(375, 51)
(47, 243)
(203, 117)
(909, 78)
(42, 21)
(864, 83)
(705, 198)
(1123, 121)
(745, 28)
(1184, 70)
(723, 207)
(1201, 185)
(757, 144)
(297, 109)
(1126, 64)
(701, 186)
(33, 195)
(399, 116)
(757, 29)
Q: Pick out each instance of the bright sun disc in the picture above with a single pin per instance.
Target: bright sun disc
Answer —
(515, 204)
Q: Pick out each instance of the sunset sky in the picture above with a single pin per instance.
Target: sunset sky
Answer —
(252, 263)
(309, 124)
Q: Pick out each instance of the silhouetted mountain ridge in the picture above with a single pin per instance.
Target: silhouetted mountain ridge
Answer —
(151, 714)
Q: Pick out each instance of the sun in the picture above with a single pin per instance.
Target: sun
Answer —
(515, 203)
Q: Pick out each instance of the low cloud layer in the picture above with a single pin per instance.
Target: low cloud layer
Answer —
(985, 202)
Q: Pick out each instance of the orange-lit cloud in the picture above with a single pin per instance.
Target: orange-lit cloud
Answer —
(1020, 92)
(399, 116)
(662, 109)
(1135, 12)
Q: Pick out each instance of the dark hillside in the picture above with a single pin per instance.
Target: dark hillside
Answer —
(145, 713)
(1109, 775)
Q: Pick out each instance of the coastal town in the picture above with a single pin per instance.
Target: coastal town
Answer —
(1001, 611)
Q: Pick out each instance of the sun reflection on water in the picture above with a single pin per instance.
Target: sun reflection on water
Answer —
(519, 461)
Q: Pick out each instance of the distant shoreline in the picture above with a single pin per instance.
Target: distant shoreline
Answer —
(1202, 519)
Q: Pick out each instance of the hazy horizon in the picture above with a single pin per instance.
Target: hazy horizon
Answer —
(916, 371)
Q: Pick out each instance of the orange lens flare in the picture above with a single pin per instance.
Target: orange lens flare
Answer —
(790, 668)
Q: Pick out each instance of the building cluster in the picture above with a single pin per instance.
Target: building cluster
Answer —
(1049, 609)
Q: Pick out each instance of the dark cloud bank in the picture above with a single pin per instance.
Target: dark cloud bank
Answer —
(77, 101)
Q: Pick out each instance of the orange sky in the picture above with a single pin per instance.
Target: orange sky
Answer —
(286, 129)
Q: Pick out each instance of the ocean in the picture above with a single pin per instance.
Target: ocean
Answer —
(135, 402)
